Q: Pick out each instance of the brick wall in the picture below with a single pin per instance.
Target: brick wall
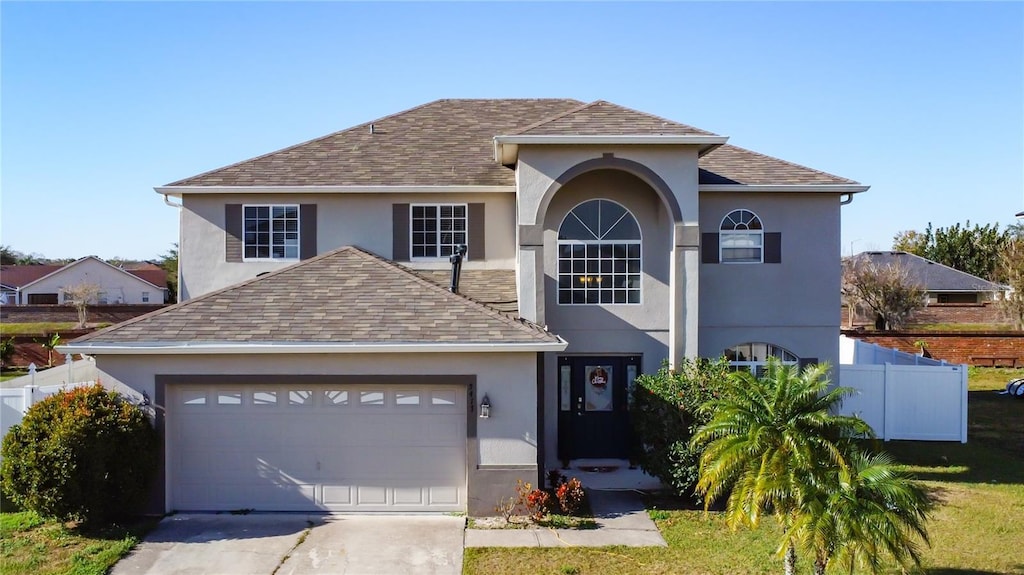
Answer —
(115, 313)
(27, 350)
(942, 313)
(954, 347)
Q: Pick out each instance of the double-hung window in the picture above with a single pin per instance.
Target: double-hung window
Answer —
(741, 238)
(271, 232)
(437, 229)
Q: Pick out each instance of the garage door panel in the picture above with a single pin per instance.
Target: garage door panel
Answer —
(326, 447)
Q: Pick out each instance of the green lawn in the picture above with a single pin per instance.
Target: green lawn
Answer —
(32, 546)
(977, 527)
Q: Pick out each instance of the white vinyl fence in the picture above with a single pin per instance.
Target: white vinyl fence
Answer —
(916, 402)
(855, 351)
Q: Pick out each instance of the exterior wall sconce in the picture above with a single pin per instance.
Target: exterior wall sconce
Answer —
(485, 407)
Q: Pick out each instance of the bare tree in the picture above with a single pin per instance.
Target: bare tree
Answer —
(887, 290)
(81, 295)
(1011, 272)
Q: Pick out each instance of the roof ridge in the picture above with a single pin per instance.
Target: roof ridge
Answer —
(655, 116)
(209, 295)
(520, 323)
(581, 107)
(310, 141)
(787, 162)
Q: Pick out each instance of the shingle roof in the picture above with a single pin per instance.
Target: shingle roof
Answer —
(445, 142)
(17, 276)
(933, 276)
(494, 288)
(604, 118)
(730, 164)
(344, 296)
(450, 142)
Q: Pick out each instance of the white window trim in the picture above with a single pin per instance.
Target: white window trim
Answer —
(723, 233)
(638, 242)
(438, 205)
(298, 212)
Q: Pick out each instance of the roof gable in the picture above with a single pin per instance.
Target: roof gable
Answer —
(346, 296)
(933, 276)
(81, 261)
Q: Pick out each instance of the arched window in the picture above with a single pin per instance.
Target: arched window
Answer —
(754, 356)
(599, 255)
(741, 238)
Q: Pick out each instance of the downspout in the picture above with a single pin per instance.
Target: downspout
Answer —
(849, 198)
(167, 200)
(456, 261)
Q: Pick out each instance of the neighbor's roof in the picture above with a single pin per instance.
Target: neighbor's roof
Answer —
(933, 276)
(450, 143)
(346, 296)
(20, 276)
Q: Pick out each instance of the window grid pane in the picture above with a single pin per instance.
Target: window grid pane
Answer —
(271, 232)
(437, 230)
(599, 273)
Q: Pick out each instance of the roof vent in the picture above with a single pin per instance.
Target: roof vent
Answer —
(456, 260)
(371, 129)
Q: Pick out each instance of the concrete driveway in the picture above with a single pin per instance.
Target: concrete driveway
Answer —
(299, 544)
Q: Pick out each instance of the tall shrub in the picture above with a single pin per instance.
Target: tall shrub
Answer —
(664, 412)
(84, 454)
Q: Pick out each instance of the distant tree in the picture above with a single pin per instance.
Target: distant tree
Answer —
(974, 250)
(1011, 273)
(910, 241)
(11, 257)
(169, 263)
(887, 290)
(49, 344)
(81, 295)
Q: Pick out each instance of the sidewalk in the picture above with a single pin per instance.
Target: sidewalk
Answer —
(620, 516)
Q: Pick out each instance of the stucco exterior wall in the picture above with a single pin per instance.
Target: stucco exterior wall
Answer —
(118, 286)
(794, 303)
(362, 220)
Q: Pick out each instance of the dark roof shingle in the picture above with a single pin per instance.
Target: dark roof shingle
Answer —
(933, 276)
(450, 142)
(344, 296)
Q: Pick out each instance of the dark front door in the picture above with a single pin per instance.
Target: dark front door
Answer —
(594, 406)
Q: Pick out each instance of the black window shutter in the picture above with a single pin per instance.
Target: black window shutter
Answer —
(477, 247)
(709, 248)
(773, 248)
(307, 231)
(233, 232)
(400, 232)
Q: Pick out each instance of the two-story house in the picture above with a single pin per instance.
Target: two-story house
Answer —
(319, 361)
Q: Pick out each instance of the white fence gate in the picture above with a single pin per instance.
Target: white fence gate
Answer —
(924, 403)
(14, 402)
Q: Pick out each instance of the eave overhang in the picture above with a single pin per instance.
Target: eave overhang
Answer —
(506, 148)
(268, 348)
(805, 188)
(178, 191)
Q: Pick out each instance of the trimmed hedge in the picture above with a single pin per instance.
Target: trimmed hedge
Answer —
(85, 454)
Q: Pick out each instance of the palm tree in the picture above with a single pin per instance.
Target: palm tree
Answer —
(765, 439)
(858, 514)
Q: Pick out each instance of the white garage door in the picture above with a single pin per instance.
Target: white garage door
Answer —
(317, 447)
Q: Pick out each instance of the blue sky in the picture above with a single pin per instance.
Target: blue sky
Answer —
(103, 101)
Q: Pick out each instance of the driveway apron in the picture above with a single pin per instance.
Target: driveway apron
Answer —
(297, 544)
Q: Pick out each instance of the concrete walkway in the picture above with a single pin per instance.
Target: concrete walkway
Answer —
(299, 544)
(621, 520)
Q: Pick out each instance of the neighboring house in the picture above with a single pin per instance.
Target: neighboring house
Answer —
(319, 362)
(44, 284)
(941, 283)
